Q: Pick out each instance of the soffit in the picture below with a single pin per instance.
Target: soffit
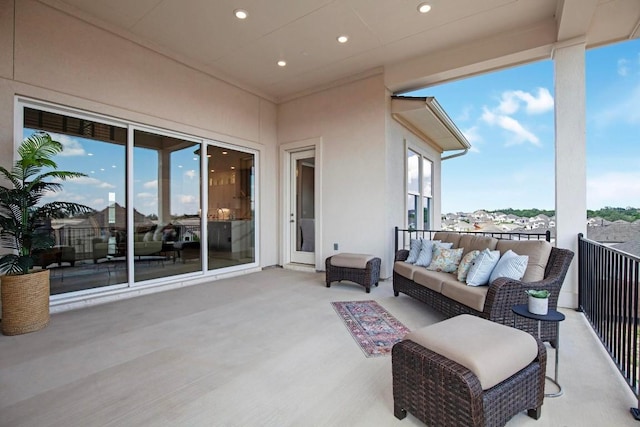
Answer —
(425, 118)
(205, 35)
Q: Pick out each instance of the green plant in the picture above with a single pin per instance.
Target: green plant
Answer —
(538, 294)
(21, 218)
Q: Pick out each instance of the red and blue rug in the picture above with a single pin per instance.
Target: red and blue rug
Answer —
(373, 328)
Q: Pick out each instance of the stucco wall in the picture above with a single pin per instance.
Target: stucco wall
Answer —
(350, 119)
(67, 61)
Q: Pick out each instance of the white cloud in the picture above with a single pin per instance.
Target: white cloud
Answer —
(519, 133)
(613, 189)
(190, 174)
(534, 104)
(71, 146)
(151, 184)
(473, 136)
(145, 195)
(185, 198)
(623, 67)
(86, 180)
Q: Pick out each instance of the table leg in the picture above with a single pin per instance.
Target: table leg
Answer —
(555, 380)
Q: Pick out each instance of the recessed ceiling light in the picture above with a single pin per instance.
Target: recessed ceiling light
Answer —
(282, 63)
(224, 152)
(343, 39)
(233, 167)
(424, 7)
(241, 13)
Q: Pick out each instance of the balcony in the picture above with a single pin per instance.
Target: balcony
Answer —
(260, 349)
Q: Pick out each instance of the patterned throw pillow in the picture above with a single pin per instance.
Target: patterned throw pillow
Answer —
(415, 245)
(481, 268)
(426, 252)
(465, 265)
(446, 260)
(511, 265)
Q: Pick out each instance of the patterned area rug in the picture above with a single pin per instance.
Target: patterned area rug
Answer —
(373, 328)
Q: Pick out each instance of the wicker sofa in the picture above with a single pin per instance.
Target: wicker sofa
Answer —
(546, 269)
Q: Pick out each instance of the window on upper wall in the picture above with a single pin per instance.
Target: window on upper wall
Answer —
(419, 191)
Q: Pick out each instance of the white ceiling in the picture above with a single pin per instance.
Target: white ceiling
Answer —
(384, 34)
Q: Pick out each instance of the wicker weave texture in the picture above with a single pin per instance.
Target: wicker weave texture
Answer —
(367, 277)
(502, 295)
(25, 302)
(441, 392)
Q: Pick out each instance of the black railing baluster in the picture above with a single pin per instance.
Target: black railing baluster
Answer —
(608, 297)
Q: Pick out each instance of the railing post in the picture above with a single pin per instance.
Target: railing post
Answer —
(580, 273)
(396, 240)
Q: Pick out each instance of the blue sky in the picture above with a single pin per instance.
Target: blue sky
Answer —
(508, 118)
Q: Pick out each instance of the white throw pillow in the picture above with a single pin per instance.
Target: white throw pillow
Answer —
(511, 265)
(148, 236)
(482, 266)
(415, 245)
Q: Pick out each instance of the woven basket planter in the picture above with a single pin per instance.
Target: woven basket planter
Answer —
(25, 302)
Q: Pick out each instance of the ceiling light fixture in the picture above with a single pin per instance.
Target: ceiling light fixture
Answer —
(282, 63)
(343, 39)
(241, 13)
(424, 7)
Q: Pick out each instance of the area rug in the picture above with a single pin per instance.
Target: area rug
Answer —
(373, 328)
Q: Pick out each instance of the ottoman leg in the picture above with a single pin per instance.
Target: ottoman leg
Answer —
(535, 413)
(368, 289)
(400, 413)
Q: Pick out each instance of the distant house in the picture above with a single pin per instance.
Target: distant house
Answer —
(631, 247)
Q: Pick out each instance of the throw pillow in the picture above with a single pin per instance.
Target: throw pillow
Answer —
(445, 260)
(148, 236)
(465, 265)
(426, 252)
(511, 265)
(414, 250)
(481, 268)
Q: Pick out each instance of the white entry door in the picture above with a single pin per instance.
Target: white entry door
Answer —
(302, 207)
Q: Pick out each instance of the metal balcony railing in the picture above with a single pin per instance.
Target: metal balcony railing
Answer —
(404, 236)
(608, 296)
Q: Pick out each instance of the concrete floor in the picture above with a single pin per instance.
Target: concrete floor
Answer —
(264, 349)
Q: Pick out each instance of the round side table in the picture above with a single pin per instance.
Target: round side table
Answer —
(552, 316)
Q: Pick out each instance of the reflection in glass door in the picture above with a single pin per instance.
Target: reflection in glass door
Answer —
(302, 207)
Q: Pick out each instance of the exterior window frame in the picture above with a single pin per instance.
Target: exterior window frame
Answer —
(424, 197)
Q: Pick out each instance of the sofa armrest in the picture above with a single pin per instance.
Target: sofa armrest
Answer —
(402, 255)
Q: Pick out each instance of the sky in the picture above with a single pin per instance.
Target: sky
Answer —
(508, 118)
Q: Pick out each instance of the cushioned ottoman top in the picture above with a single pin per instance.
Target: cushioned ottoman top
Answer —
(493, 352)
(351, 260)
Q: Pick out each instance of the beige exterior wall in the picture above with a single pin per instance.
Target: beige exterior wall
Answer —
(350, 120)
(66, 61)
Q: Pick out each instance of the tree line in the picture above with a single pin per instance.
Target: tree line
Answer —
(608, 213)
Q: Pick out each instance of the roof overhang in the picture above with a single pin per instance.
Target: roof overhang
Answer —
(426, 119)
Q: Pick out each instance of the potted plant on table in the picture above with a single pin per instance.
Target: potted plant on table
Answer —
(538, 302)
(25, 292)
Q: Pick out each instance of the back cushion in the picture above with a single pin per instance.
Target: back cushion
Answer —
(538, 252)
(471, 242)
(445, 237)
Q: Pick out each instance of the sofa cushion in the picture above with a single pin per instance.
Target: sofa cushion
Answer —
(510, 265)
(493, 352)
(471, 242)
(426, 254)
(538, 252)
(445, 260)
(471, 296)
(405, 269)
(481, 268)
(431, 279)
(415, 245)
(465, 265)
(446, 237)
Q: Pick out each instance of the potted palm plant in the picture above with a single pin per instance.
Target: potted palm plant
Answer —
(24, 292)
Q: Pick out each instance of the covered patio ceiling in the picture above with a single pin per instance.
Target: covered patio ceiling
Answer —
(456, 38)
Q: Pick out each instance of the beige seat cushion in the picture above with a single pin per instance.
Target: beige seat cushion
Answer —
(405, 269)
(446, 237)
(431, 279)
(538, 252)
(351, 260)
(472, 242)
(471, 296)
(493, 352)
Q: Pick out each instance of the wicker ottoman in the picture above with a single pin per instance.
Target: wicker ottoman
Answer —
(468, 371)
(359, 268)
